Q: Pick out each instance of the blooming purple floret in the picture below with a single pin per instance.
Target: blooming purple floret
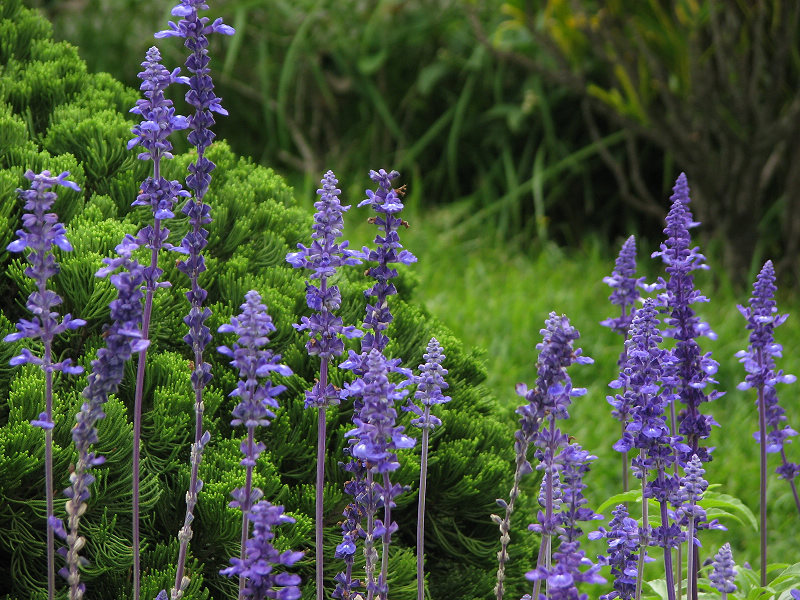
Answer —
(759, 362)
(376, 436)
(387, 203)
(430, 383)
(253, 361)
(158, 115)
(195, 31)
(553, 392)
(261, 558)
(43, 232)
(694, 370)
(323, 257)
(623, 552)
(624, 283)
(723, 570)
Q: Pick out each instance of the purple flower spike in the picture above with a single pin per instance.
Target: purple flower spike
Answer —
(43, 232)
(723, 570)
(623, 553)
(325, 329)
(195, 31)
(387, 203)
(759, 362)
(257, 566)
(123, 339)
(158, 116)
(375, 441)
(550, 399)
(430, 383)
(624, 283)
(252, 326)
(695, 370)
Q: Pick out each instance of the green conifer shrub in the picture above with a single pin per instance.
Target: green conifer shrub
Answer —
(56, 115)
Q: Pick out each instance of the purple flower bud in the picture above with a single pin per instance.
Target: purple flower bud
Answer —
(723, 570)
(624, 283)
(430, 383)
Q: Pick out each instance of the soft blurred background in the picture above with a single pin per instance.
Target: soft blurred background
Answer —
(533, 136)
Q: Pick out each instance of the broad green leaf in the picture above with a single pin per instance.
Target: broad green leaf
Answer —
(730, 503)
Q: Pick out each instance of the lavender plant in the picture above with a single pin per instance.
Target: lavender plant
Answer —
(571, 567)
(647, 374)
(723, 571)
(388, 204)
(759, 362)
(252, 327)
(549, 399)
(376, 439)
(624, 283)
(123, 339)
(43, 232)
(324, 327)
(430, 383)
(694, 369)
(158, 122)
(195, 30)
(623, 548)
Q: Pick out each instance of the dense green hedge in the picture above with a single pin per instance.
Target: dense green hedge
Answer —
(55, 115)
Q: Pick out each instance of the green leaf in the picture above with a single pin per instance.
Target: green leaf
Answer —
(729, 503)
(630, 496)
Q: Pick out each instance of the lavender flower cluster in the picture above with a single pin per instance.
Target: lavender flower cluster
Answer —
(658, 394)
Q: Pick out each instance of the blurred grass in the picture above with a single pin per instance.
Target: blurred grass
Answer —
(497, 298)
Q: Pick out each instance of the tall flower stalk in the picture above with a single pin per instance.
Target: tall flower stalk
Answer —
(195, 31)
(158, 122)
(623, 281)
(430, 383)
(376, 438)
(694, 369)
(256, 400)
(324, 327)
(692, 488)
(550, 399)
(42, 232)
(759, 362)
(648, 374)
(572, 567)
(387, 203)
(123, 339)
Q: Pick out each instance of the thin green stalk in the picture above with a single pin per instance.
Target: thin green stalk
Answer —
(762, 432)
(318, 524)
(423, 481)
(48, 464)
(690, 560)
(245, 504)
